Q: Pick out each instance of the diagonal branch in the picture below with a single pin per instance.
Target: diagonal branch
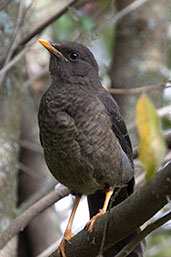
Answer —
(118, 17)
(128, 9)
(14, 60)
(149, 228)
(44, 25)
(120, 224)
(21, 221)
(136, 206)
(121, 14)
(14, 40)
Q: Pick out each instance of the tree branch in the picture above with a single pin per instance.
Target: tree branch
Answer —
(21, 221)
(44, 25)
(120, 225)
(14, 39)
(118, 16)
(121, 14)
(138, 90)
(149, 228)
(14, 60)
(17, 31)
(136, 207)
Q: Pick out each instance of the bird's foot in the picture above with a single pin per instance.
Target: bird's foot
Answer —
(90, 223)
(61, 249)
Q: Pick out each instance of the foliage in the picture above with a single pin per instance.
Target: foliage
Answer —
(63, 28)
(152, 144)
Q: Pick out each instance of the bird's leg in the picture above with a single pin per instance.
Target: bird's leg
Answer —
(90, 224)
(68, 233)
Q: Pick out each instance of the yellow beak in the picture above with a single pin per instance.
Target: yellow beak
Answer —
(48, 45)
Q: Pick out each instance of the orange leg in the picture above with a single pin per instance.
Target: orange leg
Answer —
(68, 233)
(90, 224)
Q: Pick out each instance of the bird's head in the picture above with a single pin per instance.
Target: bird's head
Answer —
(70, 61)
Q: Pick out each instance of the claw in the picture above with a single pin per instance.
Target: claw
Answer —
(61, 249)
(90, 224)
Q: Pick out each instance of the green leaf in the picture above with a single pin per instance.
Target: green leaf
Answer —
(152, 144)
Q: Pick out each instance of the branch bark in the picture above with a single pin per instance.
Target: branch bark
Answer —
(136, 206)
(124, 218)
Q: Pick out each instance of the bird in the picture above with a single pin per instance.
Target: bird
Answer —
(83, 134)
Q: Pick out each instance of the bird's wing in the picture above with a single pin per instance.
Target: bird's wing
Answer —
(95, 201)
(118, 124)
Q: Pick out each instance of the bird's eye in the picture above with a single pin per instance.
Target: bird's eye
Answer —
(73, 57)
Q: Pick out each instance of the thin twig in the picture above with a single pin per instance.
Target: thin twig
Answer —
(139, 90)
(44, 25)
(146, 231)
(14, 39)
(21, 221)
(25, 15)
(16, 32)
(118, 16)
(130, 8)
(15, 59)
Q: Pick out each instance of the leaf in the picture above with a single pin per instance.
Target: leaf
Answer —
(152, 143)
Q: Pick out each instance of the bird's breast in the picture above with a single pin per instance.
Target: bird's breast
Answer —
(80, 147)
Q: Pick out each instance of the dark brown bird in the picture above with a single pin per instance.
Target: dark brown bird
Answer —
(84, 137)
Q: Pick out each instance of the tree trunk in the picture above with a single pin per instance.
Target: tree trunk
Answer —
(140, 52)
(9, 127)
